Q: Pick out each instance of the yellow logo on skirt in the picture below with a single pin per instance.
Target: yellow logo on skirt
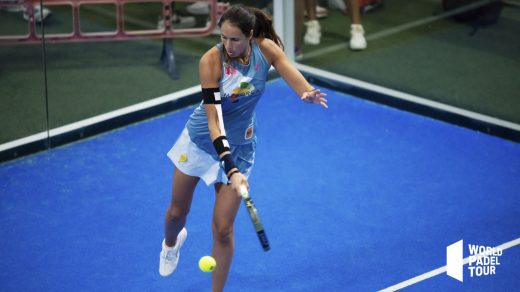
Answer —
(183, 158)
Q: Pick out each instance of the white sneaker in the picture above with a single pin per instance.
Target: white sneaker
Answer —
(313, 33)
(40, 13)
(198, 8)
(357, 37)
(170, 255)
(321, 12)
(337, 4)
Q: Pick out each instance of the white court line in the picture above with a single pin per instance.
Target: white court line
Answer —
(442, 270)
(192, 90)
(103, 117)
(407, 97)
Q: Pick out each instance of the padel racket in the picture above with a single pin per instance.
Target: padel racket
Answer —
(259, 228)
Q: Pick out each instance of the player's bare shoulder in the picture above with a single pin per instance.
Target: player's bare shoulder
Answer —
(210, 58)
(210, 66)
(269, 48)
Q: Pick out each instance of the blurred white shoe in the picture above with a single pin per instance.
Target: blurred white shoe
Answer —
(216, 31)
(40, 13)
(198, 8)
(313, 33)
(357, 37)
(321, 12)
(337, 4)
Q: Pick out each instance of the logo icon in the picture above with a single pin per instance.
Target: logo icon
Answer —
(455, 260)
(183, 158)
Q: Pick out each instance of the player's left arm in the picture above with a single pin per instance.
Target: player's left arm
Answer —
(291, 75)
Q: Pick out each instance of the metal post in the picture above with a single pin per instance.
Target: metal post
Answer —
(284, 24)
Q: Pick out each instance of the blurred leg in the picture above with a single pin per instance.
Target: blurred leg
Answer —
(298, 25)
(353, 8)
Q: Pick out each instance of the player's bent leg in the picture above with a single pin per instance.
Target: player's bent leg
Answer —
(227, 204)
(180, 204)
(175, 219)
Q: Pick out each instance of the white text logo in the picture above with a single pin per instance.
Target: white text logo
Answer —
(482, 260)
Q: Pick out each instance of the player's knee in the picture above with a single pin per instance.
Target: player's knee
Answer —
(223, 233)
(176, 214)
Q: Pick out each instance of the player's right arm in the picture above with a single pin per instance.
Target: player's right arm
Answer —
(210, 73)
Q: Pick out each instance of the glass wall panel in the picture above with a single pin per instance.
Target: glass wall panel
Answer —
(467, 57)
(111, 67)
(22, 79)
(100, 56)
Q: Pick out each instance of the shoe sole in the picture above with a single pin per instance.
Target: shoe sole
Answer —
(357, 48)
(310, 41)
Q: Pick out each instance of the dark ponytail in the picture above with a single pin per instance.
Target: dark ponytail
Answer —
(250, 18)
(264, 27)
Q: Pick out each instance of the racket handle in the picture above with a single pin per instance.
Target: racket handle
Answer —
(243, 191)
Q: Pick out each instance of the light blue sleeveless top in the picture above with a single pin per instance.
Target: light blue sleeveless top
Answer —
(241, 87)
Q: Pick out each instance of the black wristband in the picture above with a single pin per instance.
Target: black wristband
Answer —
(227, 163)
(221, 144)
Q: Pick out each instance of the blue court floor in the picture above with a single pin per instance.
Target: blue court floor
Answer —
(357, 197)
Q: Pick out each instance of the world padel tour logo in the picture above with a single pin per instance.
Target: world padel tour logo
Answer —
(482, 260)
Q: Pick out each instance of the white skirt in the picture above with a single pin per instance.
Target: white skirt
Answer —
(193, 161)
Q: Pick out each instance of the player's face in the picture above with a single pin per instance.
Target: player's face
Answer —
(234, 41)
